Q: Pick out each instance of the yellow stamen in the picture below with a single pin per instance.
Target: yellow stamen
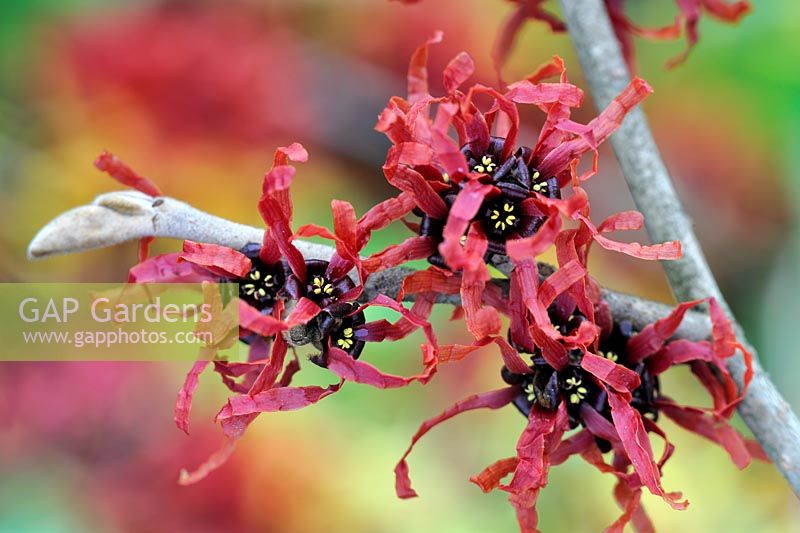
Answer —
(345, 344)
(486, 166)
(346, 341)
(529, 391)
(611, 356)
(321, 286)
(317, 282)
(578, 395)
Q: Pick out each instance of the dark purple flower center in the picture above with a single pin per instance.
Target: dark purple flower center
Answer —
(262, 286)
(345, 337)
(486, 165)
(319, 288)
(259, 284)
(501, 216)
(547, 388)
(320, 285)
(338, 327)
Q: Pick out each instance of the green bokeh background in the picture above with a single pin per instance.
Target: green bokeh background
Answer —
(92, 447)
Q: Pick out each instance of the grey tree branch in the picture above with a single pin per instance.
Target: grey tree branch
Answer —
(764, 410)
(121, 216)
(117, 217)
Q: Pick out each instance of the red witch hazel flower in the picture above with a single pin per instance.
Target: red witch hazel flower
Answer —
(481, 196)
(608, 390)
(280, 289)
(601, 378)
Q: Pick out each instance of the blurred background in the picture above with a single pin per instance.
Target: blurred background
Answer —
(196, 96)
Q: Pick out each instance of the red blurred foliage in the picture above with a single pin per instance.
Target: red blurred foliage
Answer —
(199, 70)
(100, 425)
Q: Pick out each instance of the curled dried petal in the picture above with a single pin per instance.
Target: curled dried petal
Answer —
(343, 365)
(220, 260)
(654, 335)
(418, 69)
(604, 125)
(184, 404)
(397, 254)
(630, 427)
(270, 400)
(217, 459)
(617, 376)
(458, 71)
(490, 477)
(114, 167)
(167, 268)
(714, 428)
(488, 400)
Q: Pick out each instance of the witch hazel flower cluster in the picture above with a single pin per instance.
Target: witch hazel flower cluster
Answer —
(472, 194)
